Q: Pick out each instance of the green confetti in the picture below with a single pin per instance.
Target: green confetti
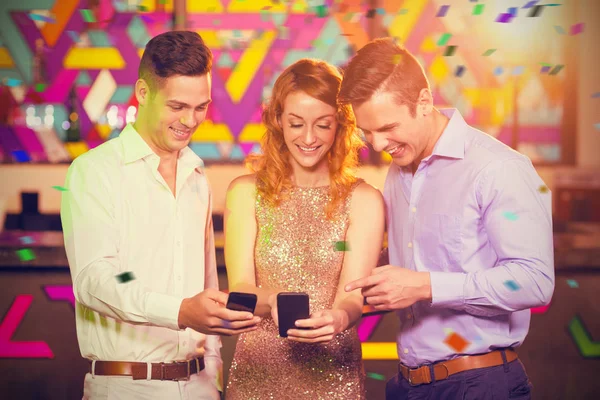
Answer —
(60, 188)
(142, 8)
(87, 15)
(125, 277)
(512, 285)
(478, 9)
(511, 216)
(444, 39)
(556, 70)
(403, 11)
(342, 246)
(489, 52)
(572, 283)
(40, 87)
(449, 51)
(321, 11)
(25, 254)
(375, 376)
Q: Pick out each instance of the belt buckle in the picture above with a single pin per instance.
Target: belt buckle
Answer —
(184, 378)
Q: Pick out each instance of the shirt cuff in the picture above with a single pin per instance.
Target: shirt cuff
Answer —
(163, 310)
(448, 289)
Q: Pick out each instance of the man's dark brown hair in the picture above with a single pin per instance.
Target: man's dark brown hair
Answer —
(382, 65)
(174, 53)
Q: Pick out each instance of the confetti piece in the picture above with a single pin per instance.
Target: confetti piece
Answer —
(498, 71)
(556, 69)
(444, 39)
(125, 277)
(478, 9)
(449, 51)
(342, 246)
(577, 28)
(376, 376)
(370, 13)
(403, 11)
(572, 283)
(595, 95)
(321, 11)
(60, 188)
(559, 30)
(20, 156)
(25, 254)
(512, 285)
(11, 82)
(443, 11)
(87, 15)
(397, 59)
(74, 36)
(43, 18)
(456, 342)
(448, 331)
(142, 8)
(530, 4)
(597, 126)
(460, 70)
(489, 52)
(510, 216)
(545, 69)
(518, 70)
(40, 87)
(543, 189)
(504, 18)
(26, 240)
(535, 11)
(513, 11)
(147, 19)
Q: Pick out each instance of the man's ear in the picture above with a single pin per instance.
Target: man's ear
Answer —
(425, 102)
(142, 92)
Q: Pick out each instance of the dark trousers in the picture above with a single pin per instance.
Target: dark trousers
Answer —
(508, 381)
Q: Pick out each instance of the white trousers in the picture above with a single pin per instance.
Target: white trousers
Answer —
(199, 387)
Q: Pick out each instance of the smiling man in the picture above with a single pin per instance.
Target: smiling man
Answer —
(137, 221)
(463, 275)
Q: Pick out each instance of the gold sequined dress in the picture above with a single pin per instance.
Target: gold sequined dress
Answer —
(296, 251)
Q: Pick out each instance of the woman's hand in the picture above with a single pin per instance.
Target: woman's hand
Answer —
(322, 327)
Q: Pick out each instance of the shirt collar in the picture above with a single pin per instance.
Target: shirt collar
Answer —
(452, 141)
(135, 148)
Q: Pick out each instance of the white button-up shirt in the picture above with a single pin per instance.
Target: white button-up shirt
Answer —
(120, 216)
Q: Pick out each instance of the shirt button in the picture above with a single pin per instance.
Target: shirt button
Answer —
(410, 244)
(405, 351)
(414, 209)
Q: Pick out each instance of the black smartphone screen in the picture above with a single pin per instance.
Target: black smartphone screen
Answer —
(290, 308)
(241, 301)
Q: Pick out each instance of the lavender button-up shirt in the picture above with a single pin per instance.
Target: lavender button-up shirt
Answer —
(478, 217)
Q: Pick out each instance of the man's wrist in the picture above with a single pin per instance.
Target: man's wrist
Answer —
(427, 295)
(181, 319)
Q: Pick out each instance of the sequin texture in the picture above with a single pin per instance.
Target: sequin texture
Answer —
(296, 251)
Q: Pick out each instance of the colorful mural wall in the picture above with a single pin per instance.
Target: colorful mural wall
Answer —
(73, 63)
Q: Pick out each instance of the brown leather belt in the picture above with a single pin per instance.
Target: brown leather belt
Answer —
(444, 369)
(174, 371)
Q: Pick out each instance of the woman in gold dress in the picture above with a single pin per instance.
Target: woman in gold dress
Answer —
(303, 222)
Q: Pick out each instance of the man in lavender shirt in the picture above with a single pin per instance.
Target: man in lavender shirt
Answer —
(469, 236)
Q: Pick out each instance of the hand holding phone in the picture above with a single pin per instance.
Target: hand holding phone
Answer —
(291, 307)
(238, 301)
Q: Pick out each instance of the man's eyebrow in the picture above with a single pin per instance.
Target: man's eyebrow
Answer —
(385, 127)
(183, 104)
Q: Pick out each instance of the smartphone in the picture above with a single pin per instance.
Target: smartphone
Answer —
(290, 308)
(238, 301)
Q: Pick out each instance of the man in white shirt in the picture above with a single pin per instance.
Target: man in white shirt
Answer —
(140, 241)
